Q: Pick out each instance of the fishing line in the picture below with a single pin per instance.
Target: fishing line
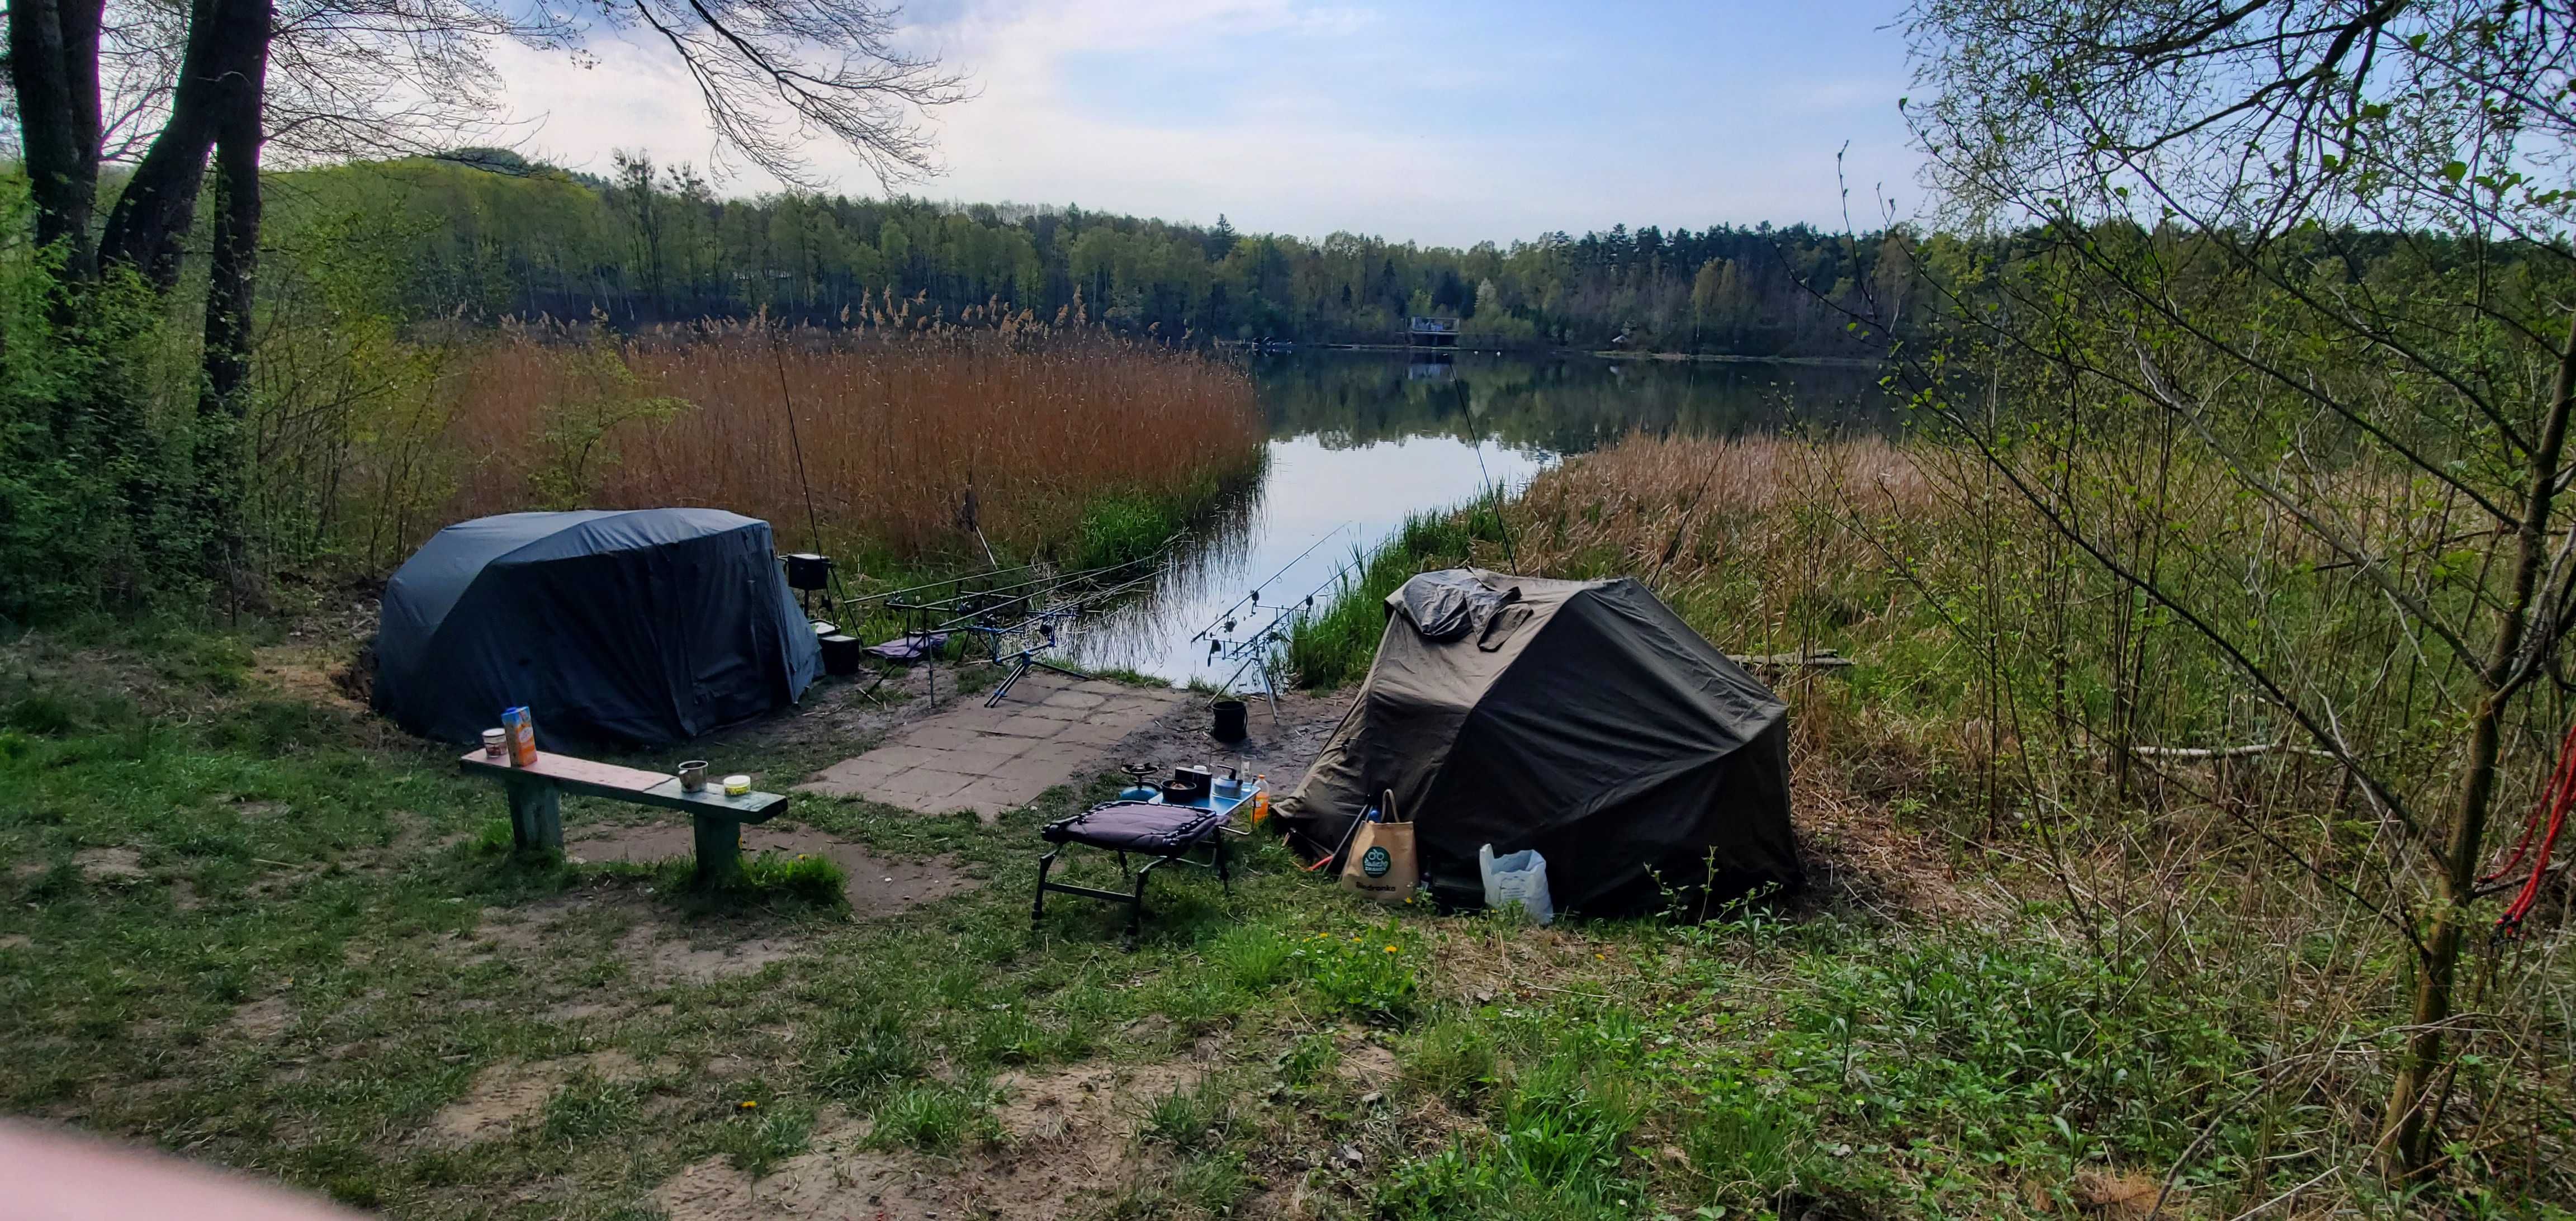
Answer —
(1500, 526)
(1222, 615)
(795, 441)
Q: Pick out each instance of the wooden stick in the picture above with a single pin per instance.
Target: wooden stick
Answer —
(2225, 752)
(1812, 659)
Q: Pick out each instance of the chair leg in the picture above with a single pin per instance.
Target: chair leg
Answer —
(1136, 911)
(1224, 876)
(1037, 909)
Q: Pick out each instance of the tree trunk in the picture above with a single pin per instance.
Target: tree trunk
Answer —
(53, 67)
(159, 204)
(2410, 1139)
(223, 398)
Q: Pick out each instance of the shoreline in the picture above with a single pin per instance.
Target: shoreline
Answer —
(1837, 362)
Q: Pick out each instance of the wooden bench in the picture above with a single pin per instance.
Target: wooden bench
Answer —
(536, 803)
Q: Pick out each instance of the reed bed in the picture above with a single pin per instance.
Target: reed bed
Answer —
(908, 436)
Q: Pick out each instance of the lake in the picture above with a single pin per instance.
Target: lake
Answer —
(1360, 440)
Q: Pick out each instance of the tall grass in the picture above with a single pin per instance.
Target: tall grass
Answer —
(1065, 443)
(1713, 525)
(2002, 696)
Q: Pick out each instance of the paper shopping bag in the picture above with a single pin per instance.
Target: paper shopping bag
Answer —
(1381, 863)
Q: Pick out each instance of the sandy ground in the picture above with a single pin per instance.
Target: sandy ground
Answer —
(878, 885)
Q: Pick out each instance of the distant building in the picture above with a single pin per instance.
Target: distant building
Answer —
(1432, 332)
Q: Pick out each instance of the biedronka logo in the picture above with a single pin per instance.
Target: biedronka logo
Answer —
(1375, 862)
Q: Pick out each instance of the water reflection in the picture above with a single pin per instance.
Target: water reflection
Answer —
(1361, 440)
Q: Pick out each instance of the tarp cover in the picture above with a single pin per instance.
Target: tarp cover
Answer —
(640, 627)
(1580, 718)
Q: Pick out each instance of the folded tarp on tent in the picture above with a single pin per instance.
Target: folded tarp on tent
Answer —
(639, 627)
(1580, 718)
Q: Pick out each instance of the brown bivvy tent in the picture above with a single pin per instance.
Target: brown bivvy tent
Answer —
(1580, 718)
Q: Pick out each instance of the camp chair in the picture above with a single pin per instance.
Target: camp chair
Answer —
(901, 652)
(1163, 832)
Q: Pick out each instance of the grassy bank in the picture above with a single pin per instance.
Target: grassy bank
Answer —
(246, 922)
(1998, 690)
(242, 920)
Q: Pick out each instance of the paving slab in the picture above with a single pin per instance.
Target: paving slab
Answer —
(1048, 730)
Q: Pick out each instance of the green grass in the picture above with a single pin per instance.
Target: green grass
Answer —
(284, 939)
(1335, 646)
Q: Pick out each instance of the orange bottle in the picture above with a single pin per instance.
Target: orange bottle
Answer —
(1260, 798)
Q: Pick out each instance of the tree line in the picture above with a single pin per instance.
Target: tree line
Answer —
(490, 233)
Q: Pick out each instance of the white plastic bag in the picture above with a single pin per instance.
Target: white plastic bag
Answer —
(1519, 877)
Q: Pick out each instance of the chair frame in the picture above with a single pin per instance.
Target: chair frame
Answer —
(1135, 900)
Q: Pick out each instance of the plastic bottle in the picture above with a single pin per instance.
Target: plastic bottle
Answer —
(1260, 798)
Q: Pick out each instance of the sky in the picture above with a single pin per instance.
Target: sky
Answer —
(1442, 123)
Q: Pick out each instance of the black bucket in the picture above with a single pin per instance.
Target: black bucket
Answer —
(1230, 722)
(840, 655)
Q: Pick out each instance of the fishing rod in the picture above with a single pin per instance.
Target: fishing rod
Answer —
(914, 589)
(1289, 614)
(1255, 596)
(1059, 610)
(1159, 550)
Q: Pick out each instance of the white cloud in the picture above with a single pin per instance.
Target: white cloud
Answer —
(1270, 117)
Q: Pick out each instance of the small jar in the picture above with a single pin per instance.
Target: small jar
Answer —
(737, 785)
(496, 743)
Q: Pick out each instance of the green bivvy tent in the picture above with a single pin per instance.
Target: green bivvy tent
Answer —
(1580, 718)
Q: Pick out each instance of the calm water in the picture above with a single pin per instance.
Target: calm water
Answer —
(1359, 440)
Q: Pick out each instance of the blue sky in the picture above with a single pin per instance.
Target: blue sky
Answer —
(1447, 123)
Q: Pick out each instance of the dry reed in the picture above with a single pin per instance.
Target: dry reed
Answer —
(900, 429)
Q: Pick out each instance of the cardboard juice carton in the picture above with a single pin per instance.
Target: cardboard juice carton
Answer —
(522, 728)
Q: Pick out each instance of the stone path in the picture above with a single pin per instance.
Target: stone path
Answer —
(993, 759)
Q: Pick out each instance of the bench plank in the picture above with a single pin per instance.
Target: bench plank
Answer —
(594, 779)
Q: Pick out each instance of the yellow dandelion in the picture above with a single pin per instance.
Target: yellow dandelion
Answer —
(1390, 949)
(745, 1105)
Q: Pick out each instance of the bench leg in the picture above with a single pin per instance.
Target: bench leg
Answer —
(536, 817)
(719, 849)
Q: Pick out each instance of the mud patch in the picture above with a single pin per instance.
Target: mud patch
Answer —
(659, 960)
(17, 941)
(109, 866)
(264, 1019)
(878, 885)
(563, 933)
(507, 1097)
(1086, 1103)
(316, 674)
(1365, 1062)
(1069, 1139)
(835, 1183)
(589, 1011)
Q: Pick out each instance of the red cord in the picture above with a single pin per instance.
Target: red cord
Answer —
(2551, 810)
(2558, 781)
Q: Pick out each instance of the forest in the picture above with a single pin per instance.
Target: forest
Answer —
(489, 233)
